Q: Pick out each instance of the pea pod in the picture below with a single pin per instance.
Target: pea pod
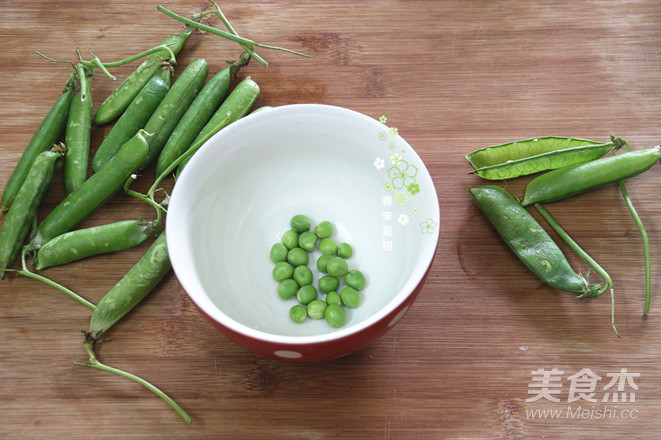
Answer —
(49, 132)
(192, 122)
(96, 240)
(134, 117)
(529, 241)
(568, 181)
(173, 106)
(115, 104)
(77, 136)
(530, 156)
(138, 282)
(94, 192)
(237, 105)
(23, 211)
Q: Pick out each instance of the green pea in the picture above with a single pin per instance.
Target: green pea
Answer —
(306, 294)
(317, 309)
(298, 257)
(300, 223)
(298, 313)
(333, 298)
(324, 229)
(290, 239)
(303, 275)
(322, 263)
(344, 250)
(282, 271)
(278, 253)
(327, 246)
(337, 266)
(350, 297)
(328, 283)
(307, 241)
(335, 315)
(355, 278)
(287, 288)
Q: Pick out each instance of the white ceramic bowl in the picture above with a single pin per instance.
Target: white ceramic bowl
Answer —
(235, 198)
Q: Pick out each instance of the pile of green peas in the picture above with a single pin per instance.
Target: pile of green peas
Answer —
(337, 284)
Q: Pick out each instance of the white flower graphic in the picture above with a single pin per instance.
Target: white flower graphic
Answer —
(379, 163)
(403, 219)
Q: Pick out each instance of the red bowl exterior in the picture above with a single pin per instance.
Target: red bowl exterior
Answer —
(322, 351)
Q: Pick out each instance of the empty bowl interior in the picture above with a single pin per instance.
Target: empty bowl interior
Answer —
(236, 197)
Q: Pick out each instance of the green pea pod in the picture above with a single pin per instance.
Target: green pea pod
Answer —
(94, 192)
(115, 104)
(192, 122)
(77, 138)
(48, 133)
(96, 240)
(23, 212)
(530, 156)
(529, 241)
(134, 117)
(568, 181)
(173, 106)
(138, 282)
(237, 105)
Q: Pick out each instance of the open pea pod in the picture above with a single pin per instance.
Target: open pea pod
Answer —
(529, 156)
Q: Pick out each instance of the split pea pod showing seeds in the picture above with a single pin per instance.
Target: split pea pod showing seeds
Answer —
(529, 241)
(96, 240)
(138, 282)
(49, 132)
(23, 211)
(134, 117)
(77, 136)
(520, 158)
(568, 181)
(94, 192)
(173, 106)
(115, 104)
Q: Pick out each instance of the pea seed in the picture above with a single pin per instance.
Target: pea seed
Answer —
(303, 275)
(333, 298)
(298, 313)
(287, 288)
(328, 283)
(355, 278)
(324, 229)
(306, 294)
(322, 263)
(327, 246)
(282, 271)
(300, 223)
(290, 239)
(307, 241)
(350, 297)
(337, 266)
(317, 309)
(278, 253)
(335, 315)
(297, 257)
(344, 250)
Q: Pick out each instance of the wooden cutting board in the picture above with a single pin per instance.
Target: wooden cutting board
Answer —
(469, 359)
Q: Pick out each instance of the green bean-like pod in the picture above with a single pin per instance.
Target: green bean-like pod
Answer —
(77, 135)
(138, 282)
(96, 240)
(529, 241)
(23, 211)
(568, 181)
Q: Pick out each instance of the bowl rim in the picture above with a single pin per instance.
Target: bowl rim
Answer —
(213, 312)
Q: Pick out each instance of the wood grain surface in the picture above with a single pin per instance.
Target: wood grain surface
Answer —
(452, 76)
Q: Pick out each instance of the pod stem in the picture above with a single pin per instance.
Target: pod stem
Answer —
(643, 236)
(608, 282)
(26, 273)
(95, 363)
